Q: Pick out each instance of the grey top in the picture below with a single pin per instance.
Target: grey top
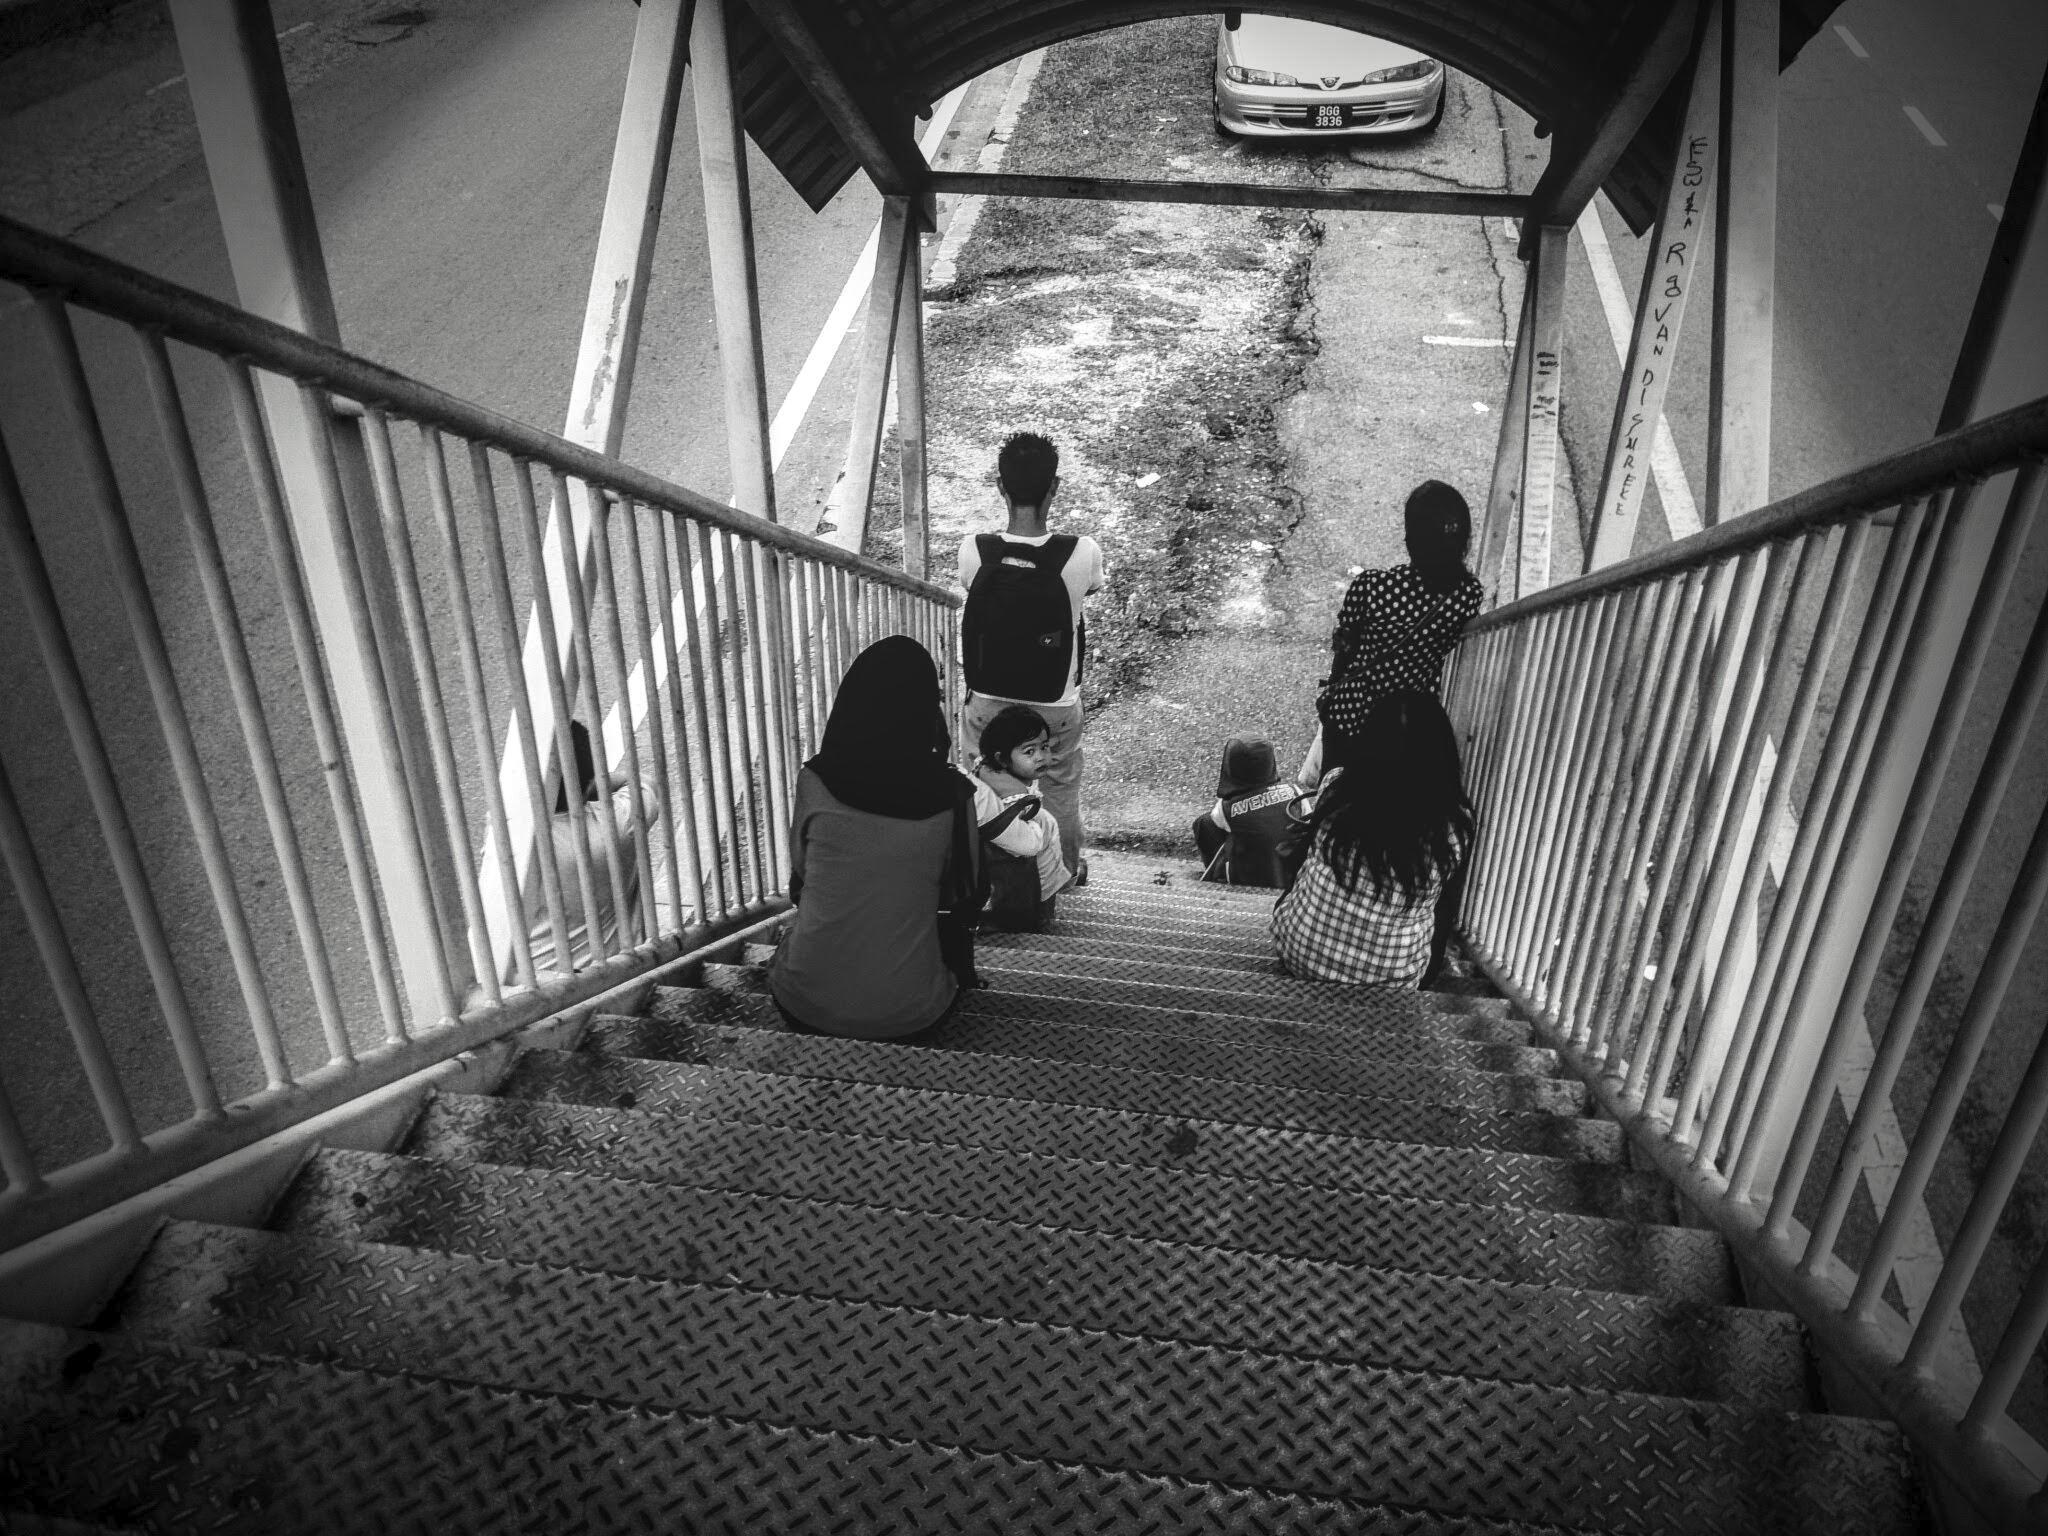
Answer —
(862, 958)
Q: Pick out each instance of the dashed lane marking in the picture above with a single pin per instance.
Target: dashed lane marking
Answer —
(1849, 41)
(1927, 129)
(1468, 341)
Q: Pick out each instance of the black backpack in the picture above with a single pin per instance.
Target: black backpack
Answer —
(1017, 634)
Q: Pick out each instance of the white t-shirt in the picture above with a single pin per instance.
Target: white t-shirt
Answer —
(1083, 573)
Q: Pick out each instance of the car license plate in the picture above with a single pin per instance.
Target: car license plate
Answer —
(1326, 115)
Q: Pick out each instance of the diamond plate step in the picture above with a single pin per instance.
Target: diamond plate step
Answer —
(1045, 1038)
(1623, 1463)
(1210, 970)
(1362, 1010)
(731, 1030)
(1488, 1242)
(177, 1440)
(1095, 1280)
(1241, 968)
(1459, 1175)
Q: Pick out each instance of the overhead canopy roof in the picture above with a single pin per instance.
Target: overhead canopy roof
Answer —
(1564, 62)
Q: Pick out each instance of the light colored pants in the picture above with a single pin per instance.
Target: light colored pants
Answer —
(1060, 786)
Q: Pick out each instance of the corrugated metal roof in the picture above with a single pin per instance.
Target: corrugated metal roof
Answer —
(1559, 60)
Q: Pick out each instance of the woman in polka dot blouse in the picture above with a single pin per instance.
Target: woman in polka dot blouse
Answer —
(1397, 626)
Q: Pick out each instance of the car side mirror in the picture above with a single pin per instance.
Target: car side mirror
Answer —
(1232, 20)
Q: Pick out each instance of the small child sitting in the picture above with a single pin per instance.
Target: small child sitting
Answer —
(1242, 838)
(1016, 747)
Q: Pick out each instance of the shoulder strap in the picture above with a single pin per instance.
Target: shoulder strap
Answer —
(998, 824)
(989, 546)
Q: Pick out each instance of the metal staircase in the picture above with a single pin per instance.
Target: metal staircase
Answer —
(1149, 1239)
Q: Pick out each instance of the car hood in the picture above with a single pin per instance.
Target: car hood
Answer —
(1309, 49)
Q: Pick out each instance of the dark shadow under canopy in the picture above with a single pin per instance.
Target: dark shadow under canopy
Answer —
(1561, 61)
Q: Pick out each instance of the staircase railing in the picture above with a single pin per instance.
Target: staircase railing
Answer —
(1721, 863)
(265, 664)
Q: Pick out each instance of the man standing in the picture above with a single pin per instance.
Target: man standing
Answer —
(1022, 634)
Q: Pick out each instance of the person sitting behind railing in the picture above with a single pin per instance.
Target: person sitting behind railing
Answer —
(1392, 826)
(884, 853)
(602, 823)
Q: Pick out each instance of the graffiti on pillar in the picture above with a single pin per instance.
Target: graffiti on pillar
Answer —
(1539, 475)
(1653, 347)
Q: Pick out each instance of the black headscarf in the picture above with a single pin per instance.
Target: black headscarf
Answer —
(885, 744)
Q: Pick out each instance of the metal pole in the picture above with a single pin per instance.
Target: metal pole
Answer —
(243, 110)
(1503, 497)
(871, 379)
(911, 427)
(1660, 309)
(1546, 378)
(1745, 256)
(735, 289)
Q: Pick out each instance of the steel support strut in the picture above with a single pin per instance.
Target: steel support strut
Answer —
(251, 145)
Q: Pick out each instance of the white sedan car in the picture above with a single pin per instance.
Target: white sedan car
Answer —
(1279, 77)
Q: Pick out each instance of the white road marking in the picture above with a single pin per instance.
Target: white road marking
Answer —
(1997, 211)
(1927, 130)
(288, 31)
(165, 85)
(1849, 41)
(1469, 341)
(1681, 512)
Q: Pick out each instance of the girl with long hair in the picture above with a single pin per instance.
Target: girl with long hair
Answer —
(1397, 625)
(883, 850)
(1390, 830)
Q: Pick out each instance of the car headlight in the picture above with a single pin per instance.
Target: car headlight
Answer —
(1238, 75)
(1420, 69)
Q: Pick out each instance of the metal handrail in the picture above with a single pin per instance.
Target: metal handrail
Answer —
(1972, 452)
(704, 647)
(1646, 748)
(34, 259)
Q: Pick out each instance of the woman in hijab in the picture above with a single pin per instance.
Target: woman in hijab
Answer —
(883, 839)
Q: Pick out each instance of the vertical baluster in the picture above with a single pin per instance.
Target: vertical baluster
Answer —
(1538, 687)
(2016, 1347)
(746, 844)
(433, 703)
(1712, 661)
(197, 511)
(1691, 619)
(1594, 631)
(1748, 1051)
(502, 609)
(1483, 883)
(1593, 778)
(2002, 759)
(1708, 783)
(766, 692)
(1828, 806)
(684, 608)
(124, 562)
(1662, 607)
(616, 860)
(681, 851)
(632, 867)
(534, 541)
(46, 930)
(1757, 701)
(482, 738)
(748, 697)
(1966, 1250)
(1972, 651)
